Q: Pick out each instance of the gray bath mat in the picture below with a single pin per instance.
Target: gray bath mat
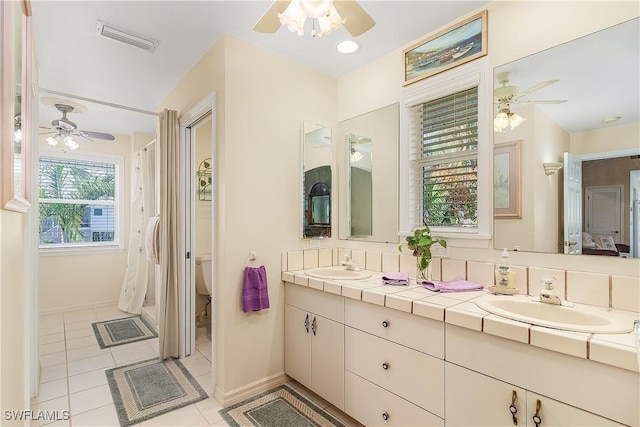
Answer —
(279, 407)
(144, 390)
(123, 331)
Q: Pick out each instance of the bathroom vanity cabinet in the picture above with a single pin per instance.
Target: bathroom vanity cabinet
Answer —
(572, 391)
(314, 341)
(397, 359)
(386, 366)
(479, 400)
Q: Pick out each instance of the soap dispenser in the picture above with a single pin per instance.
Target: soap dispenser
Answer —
(505, 276)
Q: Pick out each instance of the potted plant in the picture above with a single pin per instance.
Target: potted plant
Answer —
(420, 243)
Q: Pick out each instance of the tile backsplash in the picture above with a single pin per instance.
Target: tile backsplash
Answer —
(619, 292)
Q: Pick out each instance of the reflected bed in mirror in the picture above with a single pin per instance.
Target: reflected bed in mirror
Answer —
(368, 176)
(569, 191)
(316, 181)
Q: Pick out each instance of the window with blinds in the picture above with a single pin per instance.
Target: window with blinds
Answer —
(77, 203)
(444, 161)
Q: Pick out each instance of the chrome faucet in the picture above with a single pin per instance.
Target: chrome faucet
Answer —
(547, 295)
(348, 263)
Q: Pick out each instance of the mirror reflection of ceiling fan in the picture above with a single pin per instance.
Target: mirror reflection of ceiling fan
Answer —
(66, 131)
(509, 94)
(328, 14)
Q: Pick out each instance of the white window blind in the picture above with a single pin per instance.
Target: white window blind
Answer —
(77, 203)
(444, 161)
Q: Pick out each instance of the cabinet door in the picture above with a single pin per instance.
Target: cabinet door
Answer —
(554, 413)
(327, 359)
(473, 399)
(297, 344)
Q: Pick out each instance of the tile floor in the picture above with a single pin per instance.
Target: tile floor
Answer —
(73, 378)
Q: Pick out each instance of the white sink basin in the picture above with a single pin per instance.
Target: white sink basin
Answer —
(337, 272)
(578, 318)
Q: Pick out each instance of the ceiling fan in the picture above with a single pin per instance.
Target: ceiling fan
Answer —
(351, 15)
(508, 94)
(67, 131)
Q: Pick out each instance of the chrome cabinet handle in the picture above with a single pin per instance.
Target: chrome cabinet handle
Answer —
(314, 328)
(385, 416)
(512, 408)
(385, 323)
(536, 417)
(385, 366)
(306, 323)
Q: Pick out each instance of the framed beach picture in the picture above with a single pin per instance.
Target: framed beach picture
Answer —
(453, 46)
(506, 180)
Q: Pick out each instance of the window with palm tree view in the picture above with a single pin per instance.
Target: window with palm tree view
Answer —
(445, 161)
(77, 203)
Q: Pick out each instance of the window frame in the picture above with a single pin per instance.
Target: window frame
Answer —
(119, 203)
(475, 74)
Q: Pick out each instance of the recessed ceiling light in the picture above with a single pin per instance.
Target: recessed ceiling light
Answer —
(611, 119)
(347, 46)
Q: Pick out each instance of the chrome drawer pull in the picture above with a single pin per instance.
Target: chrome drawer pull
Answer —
(385, 366)
(385, 416)
(385, 323)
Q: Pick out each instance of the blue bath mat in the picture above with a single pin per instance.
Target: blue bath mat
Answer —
(123, 331)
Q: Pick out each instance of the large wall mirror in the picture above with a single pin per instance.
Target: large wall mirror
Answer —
(316, 181)
(577, 187)
(368, 176)
(16, 94)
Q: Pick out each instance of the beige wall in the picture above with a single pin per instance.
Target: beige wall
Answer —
(13, 359)
(80, 280)
(605, 140)
(258, 189)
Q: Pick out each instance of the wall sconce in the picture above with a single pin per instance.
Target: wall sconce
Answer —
(552, 167)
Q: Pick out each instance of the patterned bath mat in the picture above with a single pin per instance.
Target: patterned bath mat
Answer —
(279, 407)
(123, 331)
(144, 390)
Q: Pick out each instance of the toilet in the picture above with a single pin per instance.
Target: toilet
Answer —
(203, 277)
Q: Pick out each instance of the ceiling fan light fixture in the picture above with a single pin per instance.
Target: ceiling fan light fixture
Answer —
(515, 120)
(501, 121)
(52, 141)
(297, 12)
(355, 156)
(71, 143)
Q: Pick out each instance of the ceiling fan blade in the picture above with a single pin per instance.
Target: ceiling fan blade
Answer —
(357, 20)
(83, 137)
(47, 133)
(99, 135)
(537, 87)
(269, 23)
(549, 101)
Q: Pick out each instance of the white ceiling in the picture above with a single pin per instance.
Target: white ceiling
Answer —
(73, 60)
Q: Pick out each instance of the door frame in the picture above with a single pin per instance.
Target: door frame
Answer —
(189, 120)
(589, 191)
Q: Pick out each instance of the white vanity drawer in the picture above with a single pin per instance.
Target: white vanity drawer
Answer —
(375, 406)
(322, 303)
(412, 375)
(422, 334)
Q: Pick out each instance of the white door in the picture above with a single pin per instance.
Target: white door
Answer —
(572, 204)
(604, 212)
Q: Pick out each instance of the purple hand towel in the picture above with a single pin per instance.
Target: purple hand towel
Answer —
(396, 279)
(255, 295)
(455, 285)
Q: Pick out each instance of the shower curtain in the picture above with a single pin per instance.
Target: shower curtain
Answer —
(138, 282)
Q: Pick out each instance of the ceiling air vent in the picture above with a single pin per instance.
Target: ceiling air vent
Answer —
(114, 33)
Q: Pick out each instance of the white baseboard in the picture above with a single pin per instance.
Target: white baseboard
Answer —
(78, 307)
(245, 392)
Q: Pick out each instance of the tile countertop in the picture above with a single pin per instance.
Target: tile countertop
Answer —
(459, 309)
